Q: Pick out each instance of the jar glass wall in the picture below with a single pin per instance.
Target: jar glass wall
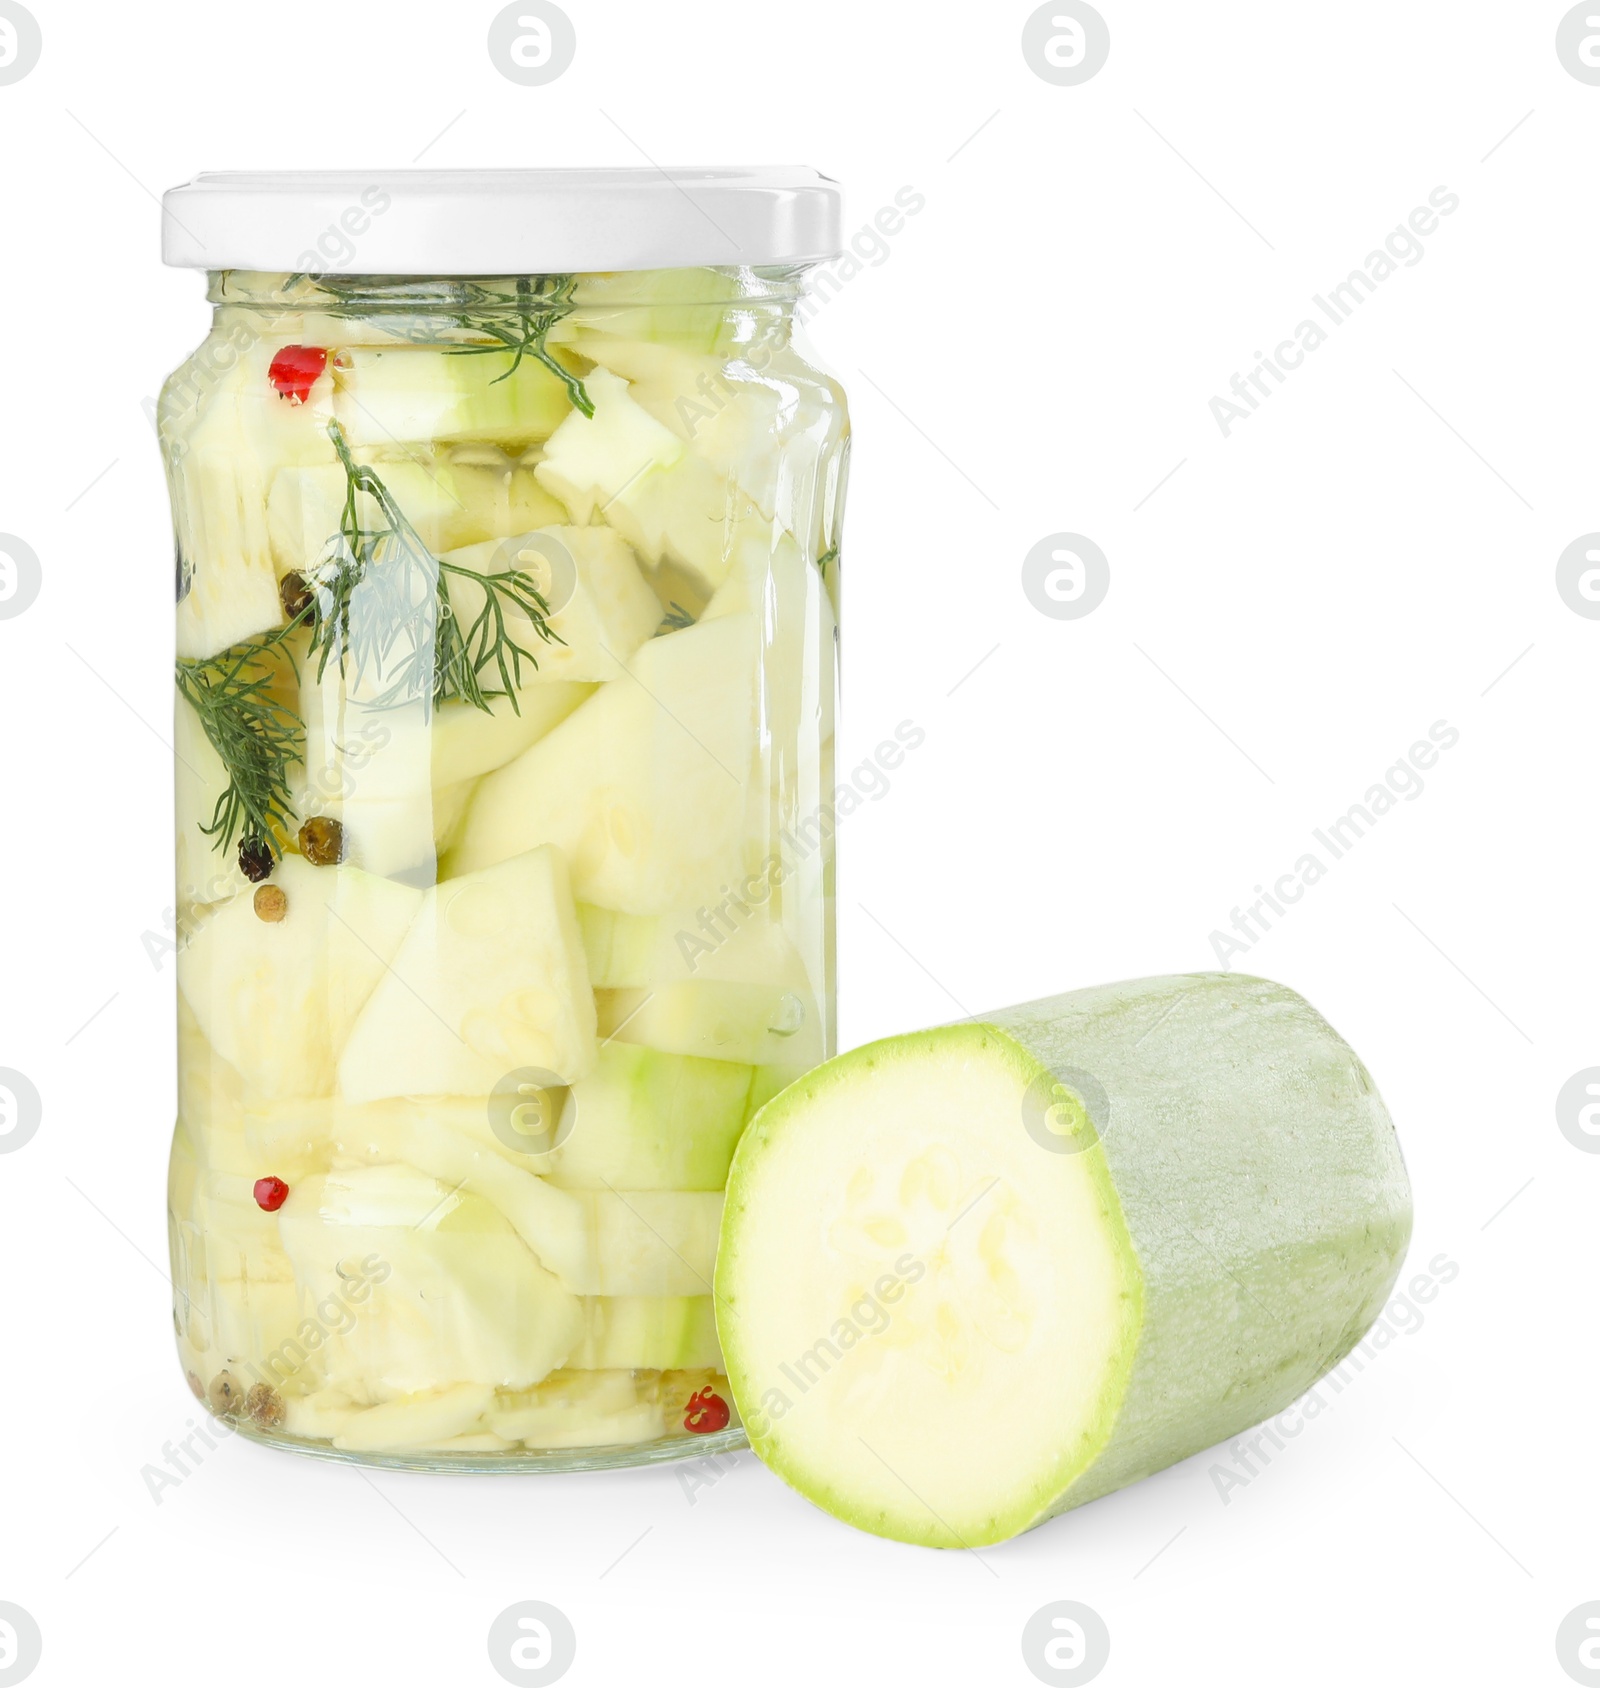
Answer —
(506, 635)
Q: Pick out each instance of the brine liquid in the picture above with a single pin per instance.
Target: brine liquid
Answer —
(505, 840)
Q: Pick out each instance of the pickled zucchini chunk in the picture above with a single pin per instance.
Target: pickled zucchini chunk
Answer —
(210, 1100)
(623, 467)
(243, 1319)
(320, 1415)
(754, 1024)
(594, 1241)
(974, 1276)
(449, 807)
(469, 742)
(235, 1293)
(307, 505)
(733, 939)
(496, 494)
(242, 1242)
(728, 414)
(770, 425)
(622, 949)
(436, 1137)
(462, 1299)
(453, 497)
(276, 1000)
(649, 1332)
(753, 420)
(590, 460)
(489, 979)
(771, 579)
(424, 393)
(652, 1242)
(646, 787)
(205, 874)
(601, 610)
(581, 1409)
(687, 308)
(426, 1418)
(370, 768)
(241, 434)
(647, 1121)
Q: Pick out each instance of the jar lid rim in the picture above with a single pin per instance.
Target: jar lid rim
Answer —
(501, 221)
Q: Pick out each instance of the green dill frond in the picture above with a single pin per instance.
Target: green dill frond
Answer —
(257, 737)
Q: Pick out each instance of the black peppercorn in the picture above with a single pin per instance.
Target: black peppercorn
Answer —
(255, 859)
(294, 594)
(224, 1394)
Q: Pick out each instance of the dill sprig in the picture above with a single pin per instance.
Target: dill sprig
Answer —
(257, 737)
(539, 309)
(377, 600)
(381, 601)
(475, 308)
(675, 620)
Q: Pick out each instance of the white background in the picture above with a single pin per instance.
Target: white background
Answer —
(1291, 609)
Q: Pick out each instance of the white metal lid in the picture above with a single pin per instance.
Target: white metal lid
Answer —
(499, 222)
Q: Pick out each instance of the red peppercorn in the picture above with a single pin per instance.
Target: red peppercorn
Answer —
(706, 1411)
(294, 371)
(271, 1194)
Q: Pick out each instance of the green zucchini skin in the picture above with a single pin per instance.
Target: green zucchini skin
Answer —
(1263, 1191)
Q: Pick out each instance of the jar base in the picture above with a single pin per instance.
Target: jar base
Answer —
(513, 1462)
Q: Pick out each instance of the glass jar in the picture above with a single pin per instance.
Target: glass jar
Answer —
(506, 640)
